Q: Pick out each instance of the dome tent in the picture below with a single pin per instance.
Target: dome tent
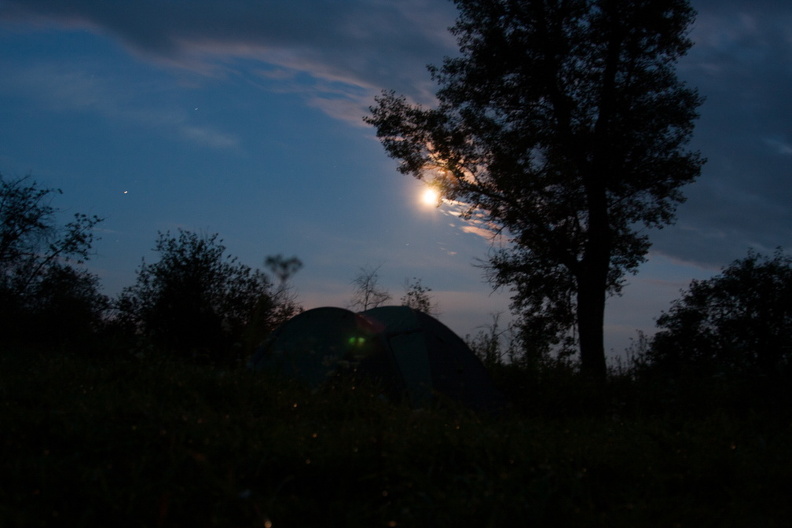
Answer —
(408, 352)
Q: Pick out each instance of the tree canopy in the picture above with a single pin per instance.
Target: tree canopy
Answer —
(737, 322)
(563, 123)
(42, 284)
(31, 236)
(196, 299)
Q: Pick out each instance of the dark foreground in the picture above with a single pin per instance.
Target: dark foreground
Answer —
(131, 442)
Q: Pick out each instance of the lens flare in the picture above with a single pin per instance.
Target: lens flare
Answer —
(430, 197)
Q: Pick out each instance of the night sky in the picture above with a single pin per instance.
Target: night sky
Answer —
(244, 118)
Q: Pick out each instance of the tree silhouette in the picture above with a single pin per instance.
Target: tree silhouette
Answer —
(283, 268)
(417, 297)
(31, 238)
(196, 299)
(281, 305)
(737, 322)
(367, 291)
(68, 303)
(41, 284)
(563, 123)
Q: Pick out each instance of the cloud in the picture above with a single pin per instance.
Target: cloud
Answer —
(781, 147)
(479, 231)
(337, 56)
(209, 137)
(372, 44)
(64, 87)
(740, 64)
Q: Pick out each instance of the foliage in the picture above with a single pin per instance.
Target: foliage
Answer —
(165, 443)
(417, 297)
(283, 300)
(68, 303)
(283, 268)
(41, 283)
(30, 237)
(279, 306)
(488, 344)
(367, 291)
(736, 323)
(196, 299)
(562, 123)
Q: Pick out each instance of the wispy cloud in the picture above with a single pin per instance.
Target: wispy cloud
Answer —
(364, 43)
(209, 137)
(781, 147)
(337, 57)
(72, 87)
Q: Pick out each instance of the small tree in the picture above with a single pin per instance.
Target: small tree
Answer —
(195, 299)
(368, 293)
(417, 297)
(738, 322)
(283, 299)
(283, 268)
(278, 307)
(488, 344)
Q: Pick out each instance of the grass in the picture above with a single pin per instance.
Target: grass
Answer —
(131, 442)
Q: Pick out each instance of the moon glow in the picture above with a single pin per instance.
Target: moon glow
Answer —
(430, 197)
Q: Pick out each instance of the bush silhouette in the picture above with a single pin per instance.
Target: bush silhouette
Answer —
(196, 300)
(736, 323)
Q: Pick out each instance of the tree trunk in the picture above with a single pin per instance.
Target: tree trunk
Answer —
(591, 321)
(593, 281)
(593, 276)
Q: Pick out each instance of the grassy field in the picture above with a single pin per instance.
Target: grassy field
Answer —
(134, 442)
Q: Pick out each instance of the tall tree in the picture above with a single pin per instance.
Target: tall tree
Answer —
(563, 123)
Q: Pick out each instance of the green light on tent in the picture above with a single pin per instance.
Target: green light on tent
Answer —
(357, 341)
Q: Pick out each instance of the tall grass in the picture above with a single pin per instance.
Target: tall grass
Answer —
(152, 442)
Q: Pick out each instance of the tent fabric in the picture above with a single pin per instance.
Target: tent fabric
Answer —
(403, 335)
(318, 345)
(408, 352)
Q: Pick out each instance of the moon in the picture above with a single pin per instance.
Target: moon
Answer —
(430, 197)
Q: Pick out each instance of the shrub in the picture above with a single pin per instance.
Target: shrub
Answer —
(736, 323)
(197, 300)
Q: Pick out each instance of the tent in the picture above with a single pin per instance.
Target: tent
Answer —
(411, 354)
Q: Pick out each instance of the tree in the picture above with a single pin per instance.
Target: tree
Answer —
(68, 303)
(417, 297)
(195, 299)
(283, 268)
(31, 240)
(738, 322)
(282, 304)
(367, 293)
(487, 344)
(563, 124)
(278, 307)
(40, 279)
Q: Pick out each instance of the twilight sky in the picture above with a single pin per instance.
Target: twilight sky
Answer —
(244, 118)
